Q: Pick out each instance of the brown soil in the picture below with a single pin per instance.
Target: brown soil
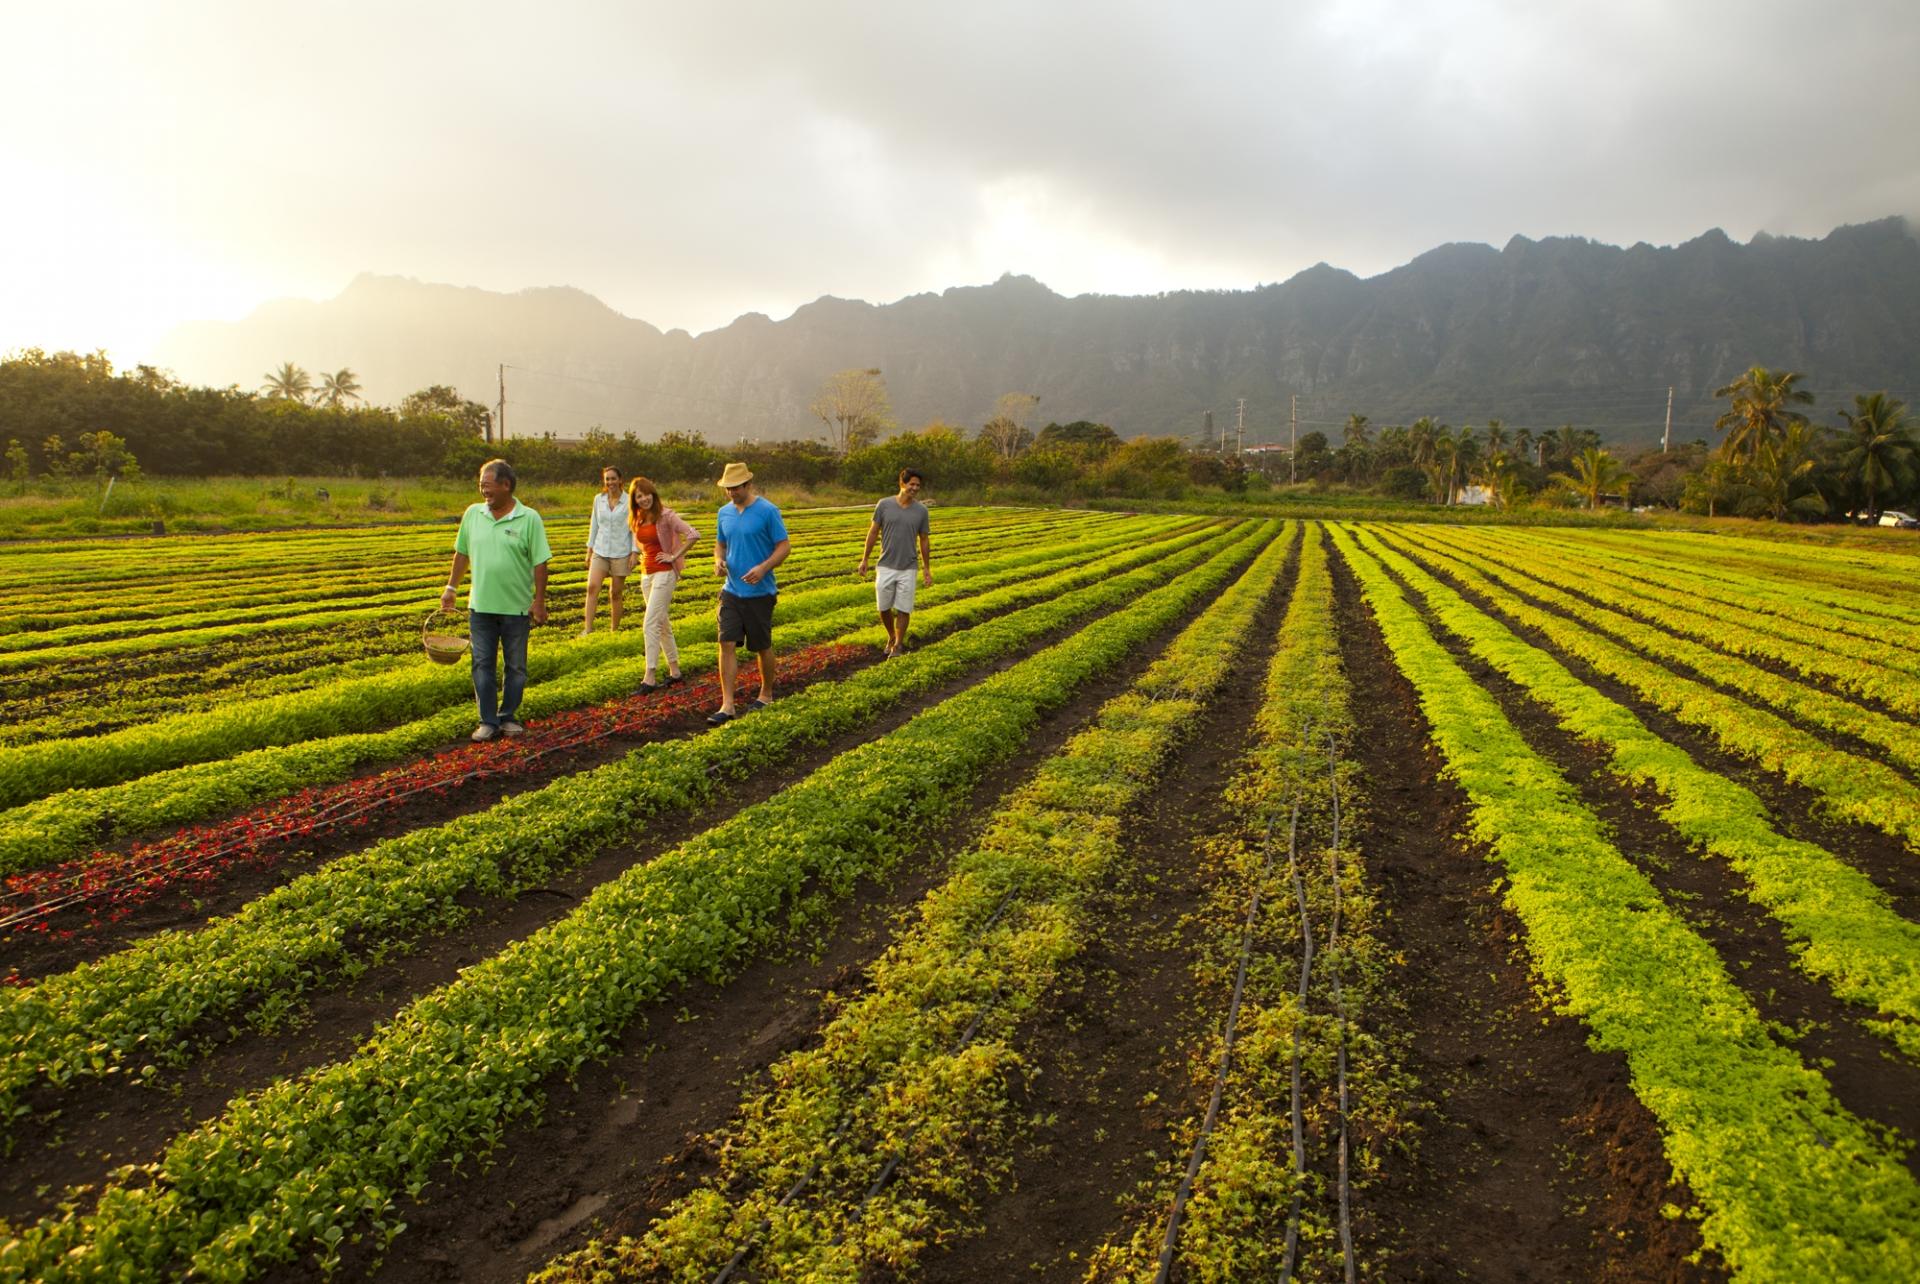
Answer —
(1110, 1079)
(1535, 1160)
(1797, 811)
(93, 1125)
(1711, 897)
(631, 1135)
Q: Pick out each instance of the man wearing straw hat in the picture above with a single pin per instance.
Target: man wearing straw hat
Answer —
(749, 541)
(506, 544)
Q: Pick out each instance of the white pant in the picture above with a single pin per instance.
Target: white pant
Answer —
(656, 587)
(893, 590)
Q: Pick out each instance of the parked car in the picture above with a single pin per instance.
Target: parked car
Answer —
(1893, 517)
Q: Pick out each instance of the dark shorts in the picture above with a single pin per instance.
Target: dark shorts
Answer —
(747, 619)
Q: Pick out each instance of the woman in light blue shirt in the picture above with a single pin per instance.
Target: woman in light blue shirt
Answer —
(609, 547)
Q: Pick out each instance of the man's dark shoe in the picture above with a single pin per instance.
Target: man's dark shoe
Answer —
(720, 718)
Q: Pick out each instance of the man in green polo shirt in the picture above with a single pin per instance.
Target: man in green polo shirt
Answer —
(506, 544)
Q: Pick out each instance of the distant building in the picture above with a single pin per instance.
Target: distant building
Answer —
(1473, 493)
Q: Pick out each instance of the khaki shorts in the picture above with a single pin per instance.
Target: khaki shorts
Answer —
(893, 589)
(617, 567)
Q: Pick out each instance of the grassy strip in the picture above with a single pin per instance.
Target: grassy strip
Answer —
(73, 822)
(1853, 669)
(1792, 1186)
(891, 1076)
(138, 1003)
(305, 1163)
(1243, 1192)
(1851, 787)
(1841, 927)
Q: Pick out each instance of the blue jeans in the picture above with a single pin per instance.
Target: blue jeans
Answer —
(508, 634)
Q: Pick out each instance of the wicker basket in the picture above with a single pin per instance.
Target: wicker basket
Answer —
(444, 636)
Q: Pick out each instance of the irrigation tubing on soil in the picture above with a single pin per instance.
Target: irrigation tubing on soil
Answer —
(1293, 1090)
(1185, 1190)
(752, 1241)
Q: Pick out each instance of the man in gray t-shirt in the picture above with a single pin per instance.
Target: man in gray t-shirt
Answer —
(899, 522)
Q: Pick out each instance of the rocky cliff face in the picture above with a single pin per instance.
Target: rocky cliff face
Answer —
(1536, 333)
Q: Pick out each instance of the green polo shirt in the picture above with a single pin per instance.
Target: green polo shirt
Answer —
(503, 553)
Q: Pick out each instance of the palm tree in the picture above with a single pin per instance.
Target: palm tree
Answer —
(1595, 473)
(1358, 434)
(1760, 411)
(339, 386)
(1522, 442)
(1780, 469)
(1501, 477)
(288, 383)
(1457, 453)
(1496, 437)
(1877, 450)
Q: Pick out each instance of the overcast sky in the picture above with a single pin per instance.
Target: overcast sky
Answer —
(690, 162)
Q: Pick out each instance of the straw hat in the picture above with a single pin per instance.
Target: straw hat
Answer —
(736, 475)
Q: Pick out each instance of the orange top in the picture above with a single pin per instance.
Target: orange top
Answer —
(649, 537)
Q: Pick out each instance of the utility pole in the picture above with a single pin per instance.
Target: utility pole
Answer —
(503, 404)
(1666, 438)
(1206, 433)
(1293, 437)
(1240, 429)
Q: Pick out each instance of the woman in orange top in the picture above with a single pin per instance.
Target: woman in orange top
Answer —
(664, 540)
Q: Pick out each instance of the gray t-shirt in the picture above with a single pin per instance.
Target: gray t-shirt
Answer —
(898, 526)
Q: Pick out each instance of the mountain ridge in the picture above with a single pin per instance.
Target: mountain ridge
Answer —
(1538, 332)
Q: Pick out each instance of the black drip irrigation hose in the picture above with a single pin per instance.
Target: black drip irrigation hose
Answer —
(1340, 1009)
(1293, 1091)
(752, 1242)
(1185, 1190)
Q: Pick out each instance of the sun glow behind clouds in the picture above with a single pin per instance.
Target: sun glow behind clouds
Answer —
(1025, 225)
(137, 282)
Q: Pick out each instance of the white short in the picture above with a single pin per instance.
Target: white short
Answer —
(893, 590)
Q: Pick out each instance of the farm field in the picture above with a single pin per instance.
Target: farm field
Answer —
(1195, 899)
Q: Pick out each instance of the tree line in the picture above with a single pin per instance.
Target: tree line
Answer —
(66, 414)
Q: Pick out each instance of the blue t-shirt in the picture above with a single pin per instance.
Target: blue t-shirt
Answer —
(749, 536)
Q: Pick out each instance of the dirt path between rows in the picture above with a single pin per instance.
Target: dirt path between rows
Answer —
(1707, 893)
(1108, 1047)
(629, 1136)
(103, 1123)
(1535, 1161)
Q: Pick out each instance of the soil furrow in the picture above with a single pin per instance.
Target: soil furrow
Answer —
(1712, 899)
(1109, 1082)
(614, 1153)
(104, 1123)
(1535, 1160)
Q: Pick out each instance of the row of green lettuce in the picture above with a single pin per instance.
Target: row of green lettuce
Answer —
(1790, 1185)
(130, 1011)
(1843, 930)
(22, 652)
(1782, 595)
(571, 675)
(1851, 786)
(309, 594)
(317, 1161)
(1244, 1190)
(1864, 669)
(893, 1124)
